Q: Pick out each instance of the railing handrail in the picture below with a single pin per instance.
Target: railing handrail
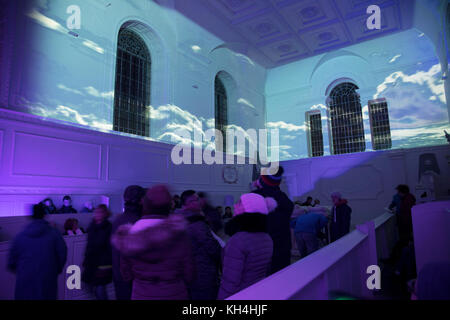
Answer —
(382, 219)
(310, 268)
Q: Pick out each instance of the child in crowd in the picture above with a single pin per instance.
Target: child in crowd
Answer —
(67, 206)
(49, 206)
(71, 228)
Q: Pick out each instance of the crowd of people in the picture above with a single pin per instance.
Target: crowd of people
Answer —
(181, 247)
(66, 207)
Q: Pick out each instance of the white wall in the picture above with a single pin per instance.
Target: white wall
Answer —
(367, 180)
(57, 75)
(40, 158)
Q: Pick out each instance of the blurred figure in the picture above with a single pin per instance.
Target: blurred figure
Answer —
(255, 185)
(228, 213)
(316, 203)
(88, 207)
(306, 227)
(340, 217)
(37, 255)
(403, 201)
(308, 202)
(176, 202)
(206, 249)
(278, 220)
(220, 211)
(155, 251)
(248, 253)
(49, 206)
(98, 257)
(71, 228)
(132, 197)
(67, 206)
(433, 282)
(213, 217)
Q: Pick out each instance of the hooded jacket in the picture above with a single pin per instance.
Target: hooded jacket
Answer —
(340, 220)
(156, 256)
(37, 255)
(247, 258)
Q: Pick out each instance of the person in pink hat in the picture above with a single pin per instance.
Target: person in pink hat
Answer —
(248, 253)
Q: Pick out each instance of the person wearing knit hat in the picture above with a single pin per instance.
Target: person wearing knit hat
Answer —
(278, 221)
(132, 198)
(271, 180)
(248, 253)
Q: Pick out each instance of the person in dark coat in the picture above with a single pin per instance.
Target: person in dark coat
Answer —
(67, 206)
(403, 202)
(340, 217)
(212, 215)
(248, 253)
(98, 257)
(278, 220)
(155, 251)
(206, 249)
(133, 211)
(37, 255)
(49, 206)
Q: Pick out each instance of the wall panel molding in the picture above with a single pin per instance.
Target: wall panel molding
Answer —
(36, 155)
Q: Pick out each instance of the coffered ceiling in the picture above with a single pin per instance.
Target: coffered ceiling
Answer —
(277, 32)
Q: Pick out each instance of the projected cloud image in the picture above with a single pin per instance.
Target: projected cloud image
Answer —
(402, 68)
(412, 85)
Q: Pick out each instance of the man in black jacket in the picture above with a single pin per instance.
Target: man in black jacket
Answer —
(132, 213)
(278, 220)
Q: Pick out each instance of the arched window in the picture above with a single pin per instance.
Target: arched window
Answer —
(345, 120)
(221, 110)
(132, 88)
(314, 133)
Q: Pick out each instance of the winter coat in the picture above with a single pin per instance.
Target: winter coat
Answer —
(340, 220)
(37, 255)
(278, 223)
(130, 215)
(98, 254)
(213, 218)
(403, 207)
(156, 256)
(207, 257)
(65, 209)
(309, 223)
(247, 260)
